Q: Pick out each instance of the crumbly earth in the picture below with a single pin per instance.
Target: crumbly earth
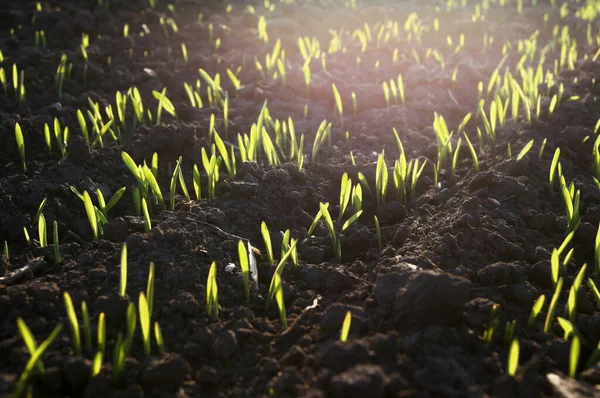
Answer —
(419, 306)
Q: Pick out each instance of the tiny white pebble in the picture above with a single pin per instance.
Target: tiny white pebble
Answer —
(494, 201)
(230, 267)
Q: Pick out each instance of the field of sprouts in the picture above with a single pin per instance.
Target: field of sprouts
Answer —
(300, 198)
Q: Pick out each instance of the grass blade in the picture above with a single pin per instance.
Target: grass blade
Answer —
(29, 341)
(91, 213)
(144, 322)
(73, 324)
(123, 280)
(22, 383)
(264, 230)
(346, 327)
(244, 265)
(513, 358)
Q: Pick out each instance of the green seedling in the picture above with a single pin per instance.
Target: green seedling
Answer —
(228, 161)
(278, 271)
(153, 184)
(552, 309)
(378, 232)
(278, 294)
(322, 133)
(150, 288)
(553, 168)
(212, 303)
(365, 184)
(73, 324)
(350, 221)
(306, 72)
(346, 327)
(571, 309)
(345, 192)
(443, 136)
(164, 103)
(42, 233)
(525, 150)
(332, 234)
(568, 257)
(101, 333)
(87, 331)
(356, 198)
(147, 221)
(36, 218)
(82, 126)
(300, 153)
(535, 310)
(574, 356)
(264, 230)
(130, 327)
(597, 255)
(61, 135)
(197, 182)
(245, 266)
(565, 243)
(123, 266)
(571, 199)
(61, 73)
(568, 328)
(488, 334)
(55, 243)
(509, 332)
(235, 81)
(159, 338)
(105, 208)
(97, 364)
(91, 214)
(33, 362)
(454, 158)
(381, 180)
(555, 266)
(184, 53)
(386, 94)
(595, 291)
(144, 311)
(20, 144)
(123, 345)
(286, 243)
(30, 342)
(211, 167)
(513, 358)
(18, 79)
(26, 233)
(415, 175)
(541, 153)
(173, 185)
(3, 82)
(154, 165)
(401, 90)
(473, 152)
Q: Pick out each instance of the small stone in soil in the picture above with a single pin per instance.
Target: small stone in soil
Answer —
(77, 372)
(167, 372)
(498, 274)
(340, 356)
(423, 298)
(359, 381)
(225, 345)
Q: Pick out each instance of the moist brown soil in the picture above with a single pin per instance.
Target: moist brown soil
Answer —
(419, 306)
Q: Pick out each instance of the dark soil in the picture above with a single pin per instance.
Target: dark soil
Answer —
(419, 306)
